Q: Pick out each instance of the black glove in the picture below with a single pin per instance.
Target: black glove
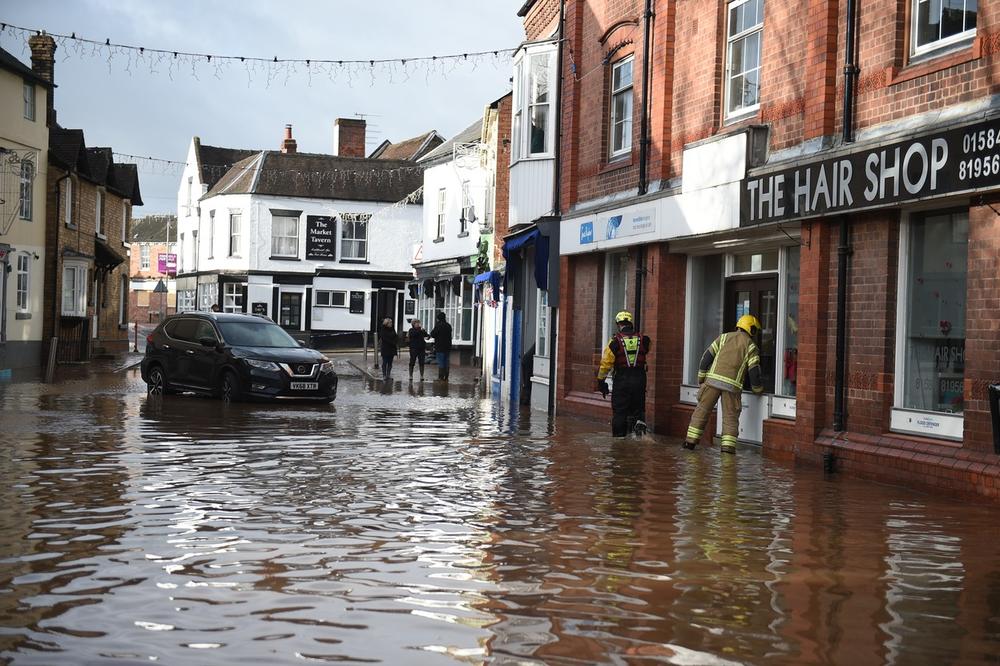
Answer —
(603, 388)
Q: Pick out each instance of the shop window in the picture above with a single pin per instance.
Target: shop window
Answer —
(933, 340)
(542, 335)
(705, 295)
(939, 23)
(185, 300)
(790, 356)
(745, 28)
(208, 295)
(756, 262)
(331, 299)
(232, 297)
(467, 294)
(615, 288)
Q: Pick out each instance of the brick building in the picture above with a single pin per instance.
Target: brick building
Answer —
(153, 243)
(855, 215)
(89, 200)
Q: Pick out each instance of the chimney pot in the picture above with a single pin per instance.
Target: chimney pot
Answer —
(288, 145)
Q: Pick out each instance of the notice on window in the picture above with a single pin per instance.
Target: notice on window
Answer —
(321, 242)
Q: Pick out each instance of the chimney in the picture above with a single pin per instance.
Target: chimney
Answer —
(43, 63)
(288, 145)
(349, 137)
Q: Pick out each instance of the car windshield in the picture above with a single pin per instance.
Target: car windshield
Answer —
(253, 334)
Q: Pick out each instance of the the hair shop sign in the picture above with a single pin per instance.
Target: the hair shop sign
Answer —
(935, 165)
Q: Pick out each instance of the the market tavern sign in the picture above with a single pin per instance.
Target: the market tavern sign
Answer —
(935, 165)
(320, 238)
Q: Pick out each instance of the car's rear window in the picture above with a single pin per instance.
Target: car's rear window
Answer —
(253, 334)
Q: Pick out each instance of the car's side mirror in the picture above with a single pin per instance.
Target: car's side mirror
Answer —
(208, 341)
(301, 343)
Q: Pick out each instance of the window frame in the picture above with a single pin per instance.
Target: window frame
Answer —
(26, 190)
(330, 301)
(232, 297)
(99, 214)
(523, 102)
(28, 92)
(67, 202)
(468, 210)
(731, 40)
(352, 220)
(625, 149)
(531, 103)
(211, 235)
(234, 247)
(918, 51)
(442, 207)
(542, 323)
(144, 257)
(274, 236)
(22, 299)
(79, 294)
(186, 300)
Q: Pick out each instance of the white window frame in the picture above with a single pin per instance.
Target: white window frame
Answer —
(531, 98)
(608, 325)
(211, 235)
(350, 221)
(516, 112)
(917, 50)
(919, 422)
(731, 41)
(442, 202)
(30, 110)
(22, 282)
(99, 213)
(190, 191)
(232, 297)
(544, 316)
(77, 300)
(26, 190)
(467, 208)
(67, 202)
(327, 298)
(180, 254)
(144, 264)
(524, 100)
(235, 232)
(275, 236)
(125, 204)
(186, 300)
(629, 90)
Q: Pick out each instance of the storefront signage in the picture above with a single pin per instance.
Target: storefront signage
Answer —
(166, 263)
(933, 165)
(633, 224)
(586, 232)
(321, 241)
(259, 309)
(357, 302)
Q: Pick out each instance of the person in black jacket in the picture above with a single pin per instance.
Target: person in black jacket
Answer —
(442, 345)
(417, 339)
(388, 346)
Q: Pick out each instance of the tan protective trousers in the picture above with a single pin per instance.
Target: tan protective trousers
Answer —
(732, 404)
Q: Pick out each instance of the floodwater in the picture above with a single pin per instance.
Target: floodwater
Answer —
(425, 526)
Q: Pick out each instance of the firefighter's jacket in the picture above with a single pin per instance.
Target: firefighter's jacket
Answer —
(728, 360)
(624, 352)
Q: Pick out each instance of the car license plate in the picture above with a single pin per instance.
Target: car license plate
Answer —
(305, 386)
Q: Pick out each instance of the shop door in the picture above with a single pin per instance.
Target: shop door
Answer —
(757, 296)
(291, 311)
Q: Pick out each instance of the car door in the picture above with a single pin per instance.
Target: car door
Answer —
(202, 359)
(174, 347)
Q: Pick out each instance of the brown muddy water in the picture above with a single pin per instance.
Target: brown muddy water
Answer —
(427, 526)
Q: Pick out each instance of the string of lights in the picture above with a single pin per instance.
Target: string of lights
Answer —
(271, 70)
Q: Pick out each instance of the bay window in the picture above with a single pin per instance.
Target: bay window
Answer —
(74, 290)
(533, 103)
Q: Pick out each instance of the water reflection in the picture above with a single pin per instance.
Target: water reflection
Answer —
(421, 523)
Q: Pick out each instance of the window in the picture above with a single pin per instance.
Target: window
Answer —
(331, 299)
(99, 213)
(67, 201)
(123, 300)
(74, 290)
(144, 257)
(211, 233)
(539, 103)
(621, 107)
(124, 222)
(933, 344)
(25, 191)
(705, 309)
(232, 297)
(490, 198)
(190, 187)
(29, 101)
(745, 27)
(284, 236)
(354, 236)
(442, 202)
(616, 286)
(23, 281)
(515, 129)
(208, 295)
(542, 333)
(789, 368)
(756, 262)
(180, 255)
(468, 213)
(235, 226)
(938, 23)
(185, 300)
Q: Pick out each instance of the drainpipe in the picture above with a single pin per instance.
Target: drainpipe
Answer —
(556, 198)
(640, 264)
(844, 247)
(644, 118)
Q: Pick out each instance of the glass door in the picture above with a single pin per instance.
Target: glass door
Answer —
(291, 311)
(757, 296)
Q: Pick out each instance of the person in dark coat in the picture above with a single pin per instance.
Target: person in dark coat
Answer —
(442, 345)
(416, 337)
(388, 346)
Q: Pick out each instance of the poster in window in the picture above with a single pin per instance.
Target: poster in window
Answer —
(321, 244)
(357, 302)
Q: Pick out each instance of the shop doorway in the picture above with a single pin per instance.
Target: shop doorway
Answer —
(291, 311)
(757, 296)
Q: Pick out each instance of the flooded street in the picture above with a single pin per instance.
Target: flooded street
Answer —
(424, 525)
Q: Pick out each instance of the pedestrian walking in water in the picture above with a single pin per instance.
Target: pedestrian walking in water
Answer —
(388, 346)
(416, 338)
(625, 355)
(730, 358)
(442, 345)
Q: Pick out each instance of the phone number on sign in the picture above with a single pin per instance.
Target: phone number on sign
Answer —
(977, 167)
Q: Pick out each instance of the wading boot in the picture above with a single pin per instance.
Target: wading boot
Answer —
(690, 445)
(640, 428)
(728, 448)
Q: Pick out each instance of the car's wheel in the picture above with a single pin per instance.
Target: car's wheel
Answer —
(230, 389)
(156, 381)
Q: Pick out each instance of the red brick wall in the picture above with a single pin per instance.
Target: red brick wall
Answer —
(663, 320)
(501, 209)
(351, 137)
(541, 20)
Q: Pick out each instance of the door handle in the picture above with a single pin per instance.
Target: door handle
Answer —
(190, 352)
(166, 346)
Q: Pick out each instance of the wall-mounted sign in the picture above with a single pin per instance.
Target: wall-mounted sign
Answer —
(586, 232)
(358, 302)
(935, 165)
(630, 224)
(166, 263)
(321, 237)
(259, 309)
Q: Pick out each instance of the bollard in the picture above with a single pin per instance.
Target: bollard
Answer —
(993, 391)
(364, 344)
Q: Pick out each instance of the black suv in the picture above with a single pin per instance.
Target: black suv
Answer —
(234, 356)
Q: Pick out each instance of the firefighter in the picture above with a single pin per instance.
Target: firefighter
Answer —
(626, 355)
(724, 365)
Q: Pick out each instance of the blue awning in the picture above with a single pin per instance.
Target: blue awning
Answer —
(533, 237)
(520, 241)
(483, 277)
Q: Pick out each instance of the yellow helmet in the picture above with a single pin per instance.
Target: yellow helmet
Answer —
(623, 316)
(749, 324)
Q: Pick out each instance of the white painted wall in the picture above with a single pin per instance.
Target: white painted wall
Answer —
(217, 246)
(450, 177)
(531, 190)
(341, 319)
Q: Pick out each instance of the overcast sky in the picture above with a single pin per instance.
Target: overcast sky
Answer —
(156, 114)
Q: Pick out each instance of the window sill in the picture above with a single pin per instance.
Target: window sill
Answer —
(101, 236)
(741, 117)
(617, 163)
(463, 234)
(353, 261)
(439, 239)
(284, 258)
(933, 63)
(22, 315)
(71, 226)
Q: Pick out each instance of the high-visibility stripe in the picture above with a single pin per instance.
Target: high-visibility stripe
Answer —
(694, 433)
(738, 383)
(729, 439)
